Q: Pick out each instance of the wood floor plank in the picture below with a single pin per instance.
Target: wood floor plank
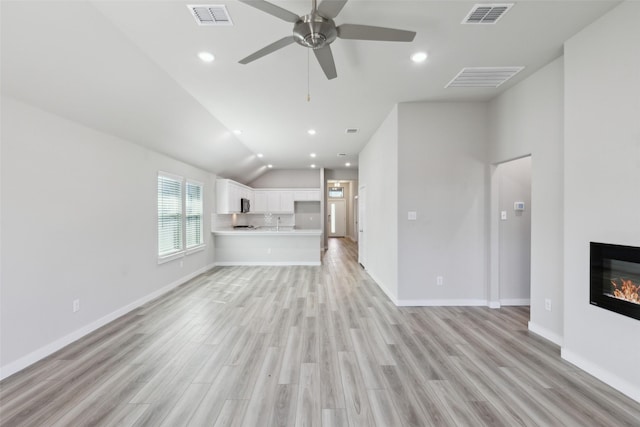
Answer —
(356, 400)
(384, 413)
(335, 418)
(232, 413)
(308, 409)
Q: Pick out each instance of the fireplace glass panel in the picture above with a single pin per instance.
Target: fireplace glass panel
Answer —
(615, 278)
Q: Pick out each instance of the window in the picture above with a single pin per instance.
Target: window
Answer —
(169, 215)
(193, 214)
(336, 192)
(180, 216)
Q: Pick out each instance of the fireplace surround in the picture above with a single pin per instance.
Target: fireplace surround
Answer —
(615, 278)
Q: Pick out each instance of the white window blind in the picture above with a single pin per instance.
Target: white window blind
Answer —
(169, 215)
(193, 210)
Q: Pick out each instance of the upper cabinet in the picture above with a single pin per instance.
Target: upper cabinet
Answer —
(228, 195)
(274, 200)
(309, 195)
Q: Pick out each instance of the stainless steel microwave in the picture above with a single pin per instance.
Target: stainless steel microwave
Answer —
(245, 205)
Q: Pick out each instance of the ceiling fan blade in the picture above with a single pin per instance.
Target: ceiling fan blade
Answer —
(325, 58)
(367, 32)
(331, 8)
(285, 41)
(272, 9)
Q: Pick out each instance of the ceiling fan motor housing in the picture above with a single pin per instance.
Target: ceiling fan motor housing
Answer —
(314, 31)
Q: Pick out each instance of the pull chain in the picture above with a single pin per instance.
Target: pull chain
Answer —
(308, 90)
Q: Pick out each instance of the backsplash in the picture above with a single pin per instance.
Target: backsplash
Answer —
(226, 221)
(307, 217)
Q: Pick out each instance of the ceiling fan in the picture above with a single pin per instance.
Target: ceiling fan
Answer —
(317, 31)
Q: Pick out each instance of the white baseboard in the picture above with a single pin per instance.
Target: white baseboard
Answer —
(546, 333)
(620, 384)
(56, 345)
(386, 291)
(263, 263)
(494, 304)
(515, 301)
(441, 302)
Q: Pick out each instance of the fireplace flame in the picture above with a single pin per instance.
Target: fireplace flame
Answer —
(627, 290)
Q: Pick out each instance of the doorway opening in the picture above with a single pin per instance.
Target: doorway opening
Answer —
(511, 235)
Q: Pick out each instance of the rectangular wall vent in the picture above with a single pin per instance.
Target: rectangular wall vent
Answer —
(483, 76)
(213, 14)
(486, 13)
(351, 130)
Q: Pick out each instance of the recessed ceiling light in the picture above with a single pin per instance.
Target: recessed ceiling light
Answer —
(260, 155)
(347, 164)
(269, 166)
(419, 57)
(206, 56)
(312, 154)
(237, 132)
(313, 166)
(311, 131)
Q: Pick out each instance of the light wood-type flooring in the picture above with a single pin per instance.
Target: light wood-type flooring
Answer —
(309, 346)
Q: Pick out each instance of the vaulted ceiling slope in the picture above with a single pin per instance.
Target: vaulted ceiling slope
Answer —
(130, 68)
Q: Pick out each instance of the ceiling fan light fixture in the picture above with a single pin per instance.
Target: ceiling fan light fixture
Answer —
(314, 31)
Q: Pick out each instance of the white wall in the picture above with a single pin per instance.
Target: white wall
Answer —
(442, 153)
(515, 232)
(378, 174)
(79, 214)
(602, 187)
(528, 119)
(288, 178)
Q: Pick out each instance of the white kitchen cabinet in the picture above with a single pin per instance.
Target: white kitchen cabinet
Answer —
(286, 201)
(228, 195)
(273, 201)
(306, 195)
(260, 201)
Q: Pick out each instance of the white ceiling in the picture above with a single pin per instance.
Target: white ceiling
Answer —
(130, 68)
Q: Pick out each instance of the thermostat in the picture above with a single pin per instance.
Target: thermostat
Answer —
(518, 206)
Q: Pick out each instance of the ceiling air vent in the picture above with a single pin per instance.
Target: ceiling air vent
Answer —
(483, 76)
(213, 14)
(486, 13)
(351, 130)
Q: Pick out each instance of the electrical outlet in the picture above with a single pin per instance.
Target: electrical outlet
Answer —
(181, 263)
(439, 280)
(76, 305)
(547, 304)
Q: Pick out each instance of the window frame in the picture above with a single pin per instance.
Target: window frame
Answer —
(183, 250)
(200, 245)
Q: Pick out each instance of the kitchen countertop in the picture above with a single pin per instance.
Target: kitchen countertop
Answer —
(267, 231)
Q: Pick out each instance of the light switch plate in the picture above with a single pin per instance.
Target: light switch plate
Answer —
(503, 215)
(412, 215)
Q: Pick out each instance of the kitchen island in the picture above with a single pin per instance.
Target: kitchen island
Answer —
(267, 246)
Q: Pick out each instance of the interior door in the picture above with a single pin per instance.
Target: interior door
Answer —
(337, 218)
(362, 208)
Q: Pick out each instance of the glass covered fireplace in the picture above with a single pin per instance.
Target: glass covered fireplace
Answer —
(615, 278)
